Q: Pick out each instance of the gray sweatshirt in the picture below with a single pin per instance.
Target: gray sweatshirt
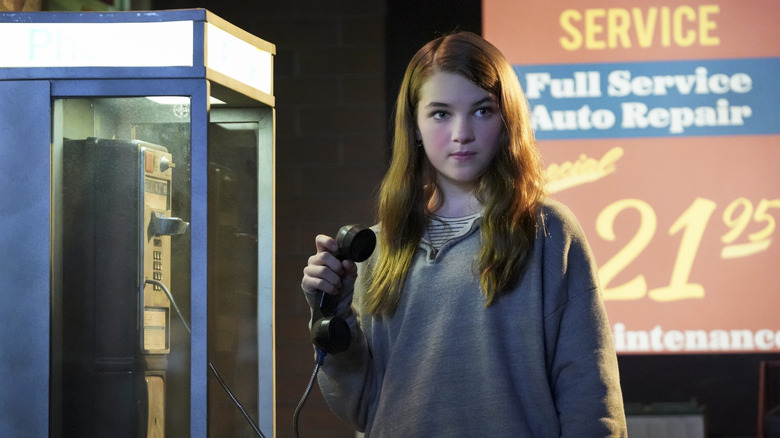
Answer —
(539, 362)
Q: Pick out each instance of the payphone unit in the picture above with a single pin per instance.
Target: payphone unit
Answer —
(116, 330)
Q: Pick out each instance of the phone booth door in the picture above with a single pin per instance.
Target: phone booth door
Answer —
(125, 252)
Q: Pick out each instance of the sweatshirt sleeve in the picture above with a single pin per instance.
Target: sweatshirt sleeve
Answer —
(581, 358)
(346, 379)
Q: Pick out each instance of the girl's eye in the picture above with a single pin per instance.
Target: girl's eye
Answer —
(438, 115)
(485, 111)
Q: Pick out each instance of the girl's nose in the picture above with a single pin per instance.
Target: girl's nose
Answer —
(462, 130)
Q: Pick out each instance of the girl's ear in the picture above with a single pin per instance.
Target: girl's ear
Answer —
(417, 135)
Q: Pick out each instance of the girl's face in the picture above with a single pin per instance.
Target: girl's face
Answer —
(459, 124)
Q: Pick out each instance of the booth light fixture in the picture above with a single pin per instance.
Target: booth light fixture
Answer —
(97, 44)
(237, 59)
(181, 100)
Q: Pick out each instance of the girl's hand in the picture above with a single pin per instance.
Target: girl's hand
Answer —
(326, 273)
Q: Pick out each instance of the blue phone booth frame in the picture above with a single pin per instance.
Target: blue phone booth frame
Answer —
(29, 243)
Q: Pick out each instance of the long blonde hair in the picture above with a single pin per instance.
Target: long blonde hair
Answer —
(510, 189)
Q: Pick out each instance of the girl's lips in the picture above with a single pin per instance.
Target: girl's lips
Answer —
(463, 155)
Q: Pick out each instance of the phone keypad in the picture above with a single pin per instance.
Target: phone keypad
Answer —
(157, 268)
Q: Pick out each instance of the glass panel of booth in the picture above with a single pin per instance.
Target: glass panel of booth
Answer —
(240, 268)
(232, 276)
(123, 303)
(122, 306)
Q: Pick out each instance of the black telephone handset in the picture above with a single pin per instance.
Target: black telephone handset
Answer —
(331, 333)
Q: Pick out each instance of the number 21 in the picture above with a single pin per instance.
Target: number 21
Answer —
(693, 221)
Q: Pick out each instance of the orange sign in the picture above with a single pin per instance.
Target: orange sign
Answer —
(585, 31)
(658, 129)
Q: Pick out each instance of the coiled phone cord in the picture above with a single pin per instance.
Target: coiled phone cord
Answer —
(211, 365)
(320, 360)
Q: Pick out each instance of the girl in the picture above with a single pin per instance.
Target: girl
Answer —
(479, 313)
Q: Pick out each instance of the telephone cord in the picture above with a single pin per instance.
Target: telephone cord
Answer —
(211, 365)
(320, 360)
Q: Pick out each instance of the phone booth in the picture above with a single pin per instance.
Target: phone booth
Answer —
(137, 218)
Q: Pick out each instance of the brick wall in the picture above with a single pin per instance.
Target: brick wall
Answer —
(330, 157)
